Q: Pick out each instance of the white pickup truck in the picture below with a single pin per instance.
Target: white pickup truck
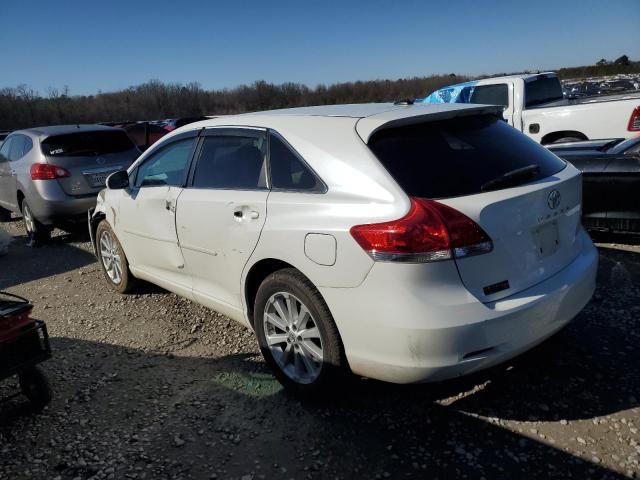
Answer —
(534, 104)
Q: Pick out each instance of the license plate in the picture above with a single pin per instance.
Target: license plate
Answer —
(99, 179)
(547, 239)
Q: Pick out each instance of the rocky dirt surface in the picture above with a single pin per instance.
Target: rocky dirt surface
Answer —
(153, 386)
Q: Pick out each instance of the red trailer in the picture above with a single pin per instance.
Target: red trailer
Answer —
(24, 343)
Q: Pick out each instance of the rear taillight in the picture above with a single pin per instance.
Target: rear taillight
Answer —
(634, 120)
(430, 232)
(44, 171)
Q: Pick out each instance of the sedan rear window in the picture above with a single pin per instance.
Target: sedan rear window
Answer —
(462, 156)
(86, 144)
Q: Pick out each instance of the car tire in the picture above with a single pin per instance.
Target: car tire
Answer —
(37, 233)
(113, 260)
(305, 353)
(36, 387)
(5, 215)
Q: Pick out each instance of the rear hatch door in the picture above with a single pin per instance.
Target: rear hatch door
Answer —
(525, 198)
(90, 157)
(534, 233)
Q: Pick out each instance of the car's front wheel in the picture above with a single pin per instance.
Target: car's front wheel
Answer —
(113, 260)
(297, 335)
(37, 233)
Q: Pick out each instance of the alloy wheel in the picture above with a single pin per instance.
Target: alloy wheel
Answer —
(293, 338)
(29, 222)
(110, 257)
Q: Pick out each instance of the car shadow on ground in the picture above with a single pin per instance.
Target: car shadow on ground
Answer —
(172, 414)
(24, 264)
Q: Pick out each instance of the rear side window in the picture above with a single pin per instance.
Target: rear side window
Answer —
(542, 90)
(20, 146)
(458, 157)
(17, 148)
(288, 171)
(86, 144)
(232, 162)
(491, 95)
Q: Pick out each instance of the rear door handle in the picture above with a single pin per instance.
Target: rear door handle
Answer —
(242, 213)
(170, 206)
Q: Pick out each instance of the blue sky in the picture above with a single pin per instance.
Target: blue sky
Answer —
(91, 46)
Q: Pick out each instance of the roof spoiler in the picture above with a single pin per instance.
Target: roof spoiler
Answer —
(367, 126)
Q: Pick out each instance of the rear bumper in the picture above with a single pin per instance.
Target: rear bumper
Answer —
(395, 332)
(50, 203)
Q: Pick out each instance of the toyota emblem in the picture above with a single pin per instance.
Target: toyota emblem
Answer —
(553, 200)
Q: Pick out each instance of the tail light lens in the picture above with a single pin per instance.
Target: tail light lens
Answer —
(44, 171)
(430, 232)
(634, 120)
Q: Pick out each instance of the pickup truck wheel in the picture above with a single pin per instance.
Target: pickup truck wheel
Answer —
(113, 260)
(37, 233)
(297, 335)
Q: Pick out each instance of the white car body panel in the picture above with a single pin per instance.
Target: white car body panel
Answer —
(398, 322)
(514, 254)
(216, 244)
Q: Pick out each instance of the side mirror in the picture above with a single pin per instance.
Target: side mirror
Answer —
(118, 180)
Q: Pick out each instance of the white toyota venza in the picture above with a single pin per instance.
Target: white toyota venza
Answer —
(405, 243)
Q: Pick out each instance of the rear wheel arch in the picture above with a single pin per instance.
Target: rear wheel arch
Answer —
(256, 275)
(569, 135)
(20, 199)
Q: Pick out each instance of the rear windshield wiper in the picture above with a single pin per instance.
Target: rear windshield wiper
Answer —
(512, 178)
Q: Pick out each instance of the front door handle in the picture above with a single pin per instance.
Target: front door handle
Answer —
(170, 206)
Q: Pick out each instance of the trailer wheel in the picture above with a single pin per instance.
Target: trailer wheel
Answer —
(36, 387)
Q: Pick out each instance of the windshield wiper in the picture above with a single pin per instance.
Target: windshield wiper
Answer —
(512, 178)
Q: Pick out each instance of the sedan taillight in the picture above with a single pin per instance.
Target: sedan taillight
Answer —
(634, 120)
(44, 171)
(430, 232)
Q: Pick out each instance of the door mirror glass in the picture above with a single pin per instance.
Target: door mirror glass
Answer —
(118, 180)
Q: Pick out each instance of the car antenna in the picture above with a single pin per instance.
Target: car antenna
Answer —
(406, 101)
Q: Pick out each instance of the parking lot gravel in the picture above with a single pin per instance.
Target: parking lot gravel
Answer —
(152, 386)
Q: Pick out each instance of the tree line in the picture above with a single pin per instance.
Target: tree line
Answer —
(23, 107)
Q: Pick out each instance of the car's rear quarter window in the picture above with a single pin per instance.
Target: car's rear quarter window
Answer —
(457, 157)
(87, 144)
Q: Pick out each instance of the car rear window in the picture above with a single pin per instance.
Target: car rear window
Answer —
(542, 90)
(497, 94)
(458, 157)
(85, 144)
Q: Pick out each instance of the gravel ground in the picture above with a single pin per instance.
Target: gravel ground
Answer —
(153, 386)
